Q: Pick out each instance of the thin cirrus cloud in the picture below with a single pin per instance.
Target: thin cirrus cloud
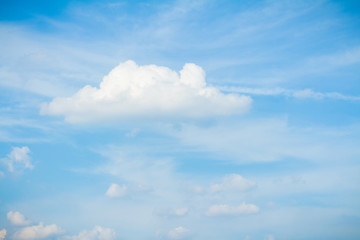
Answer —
(16, 218)
(299, 94)
(131, 91)
(226, 210)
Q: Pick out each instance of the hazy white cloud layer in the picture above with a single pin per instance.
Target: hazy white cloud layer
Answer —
(226, 210)
(18, 159)
(16, 218)
(39, 231)
(97, 233)
(131, 91)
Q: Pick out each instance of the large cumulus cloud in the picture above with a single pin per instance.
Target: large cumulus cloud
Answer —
(131, 91)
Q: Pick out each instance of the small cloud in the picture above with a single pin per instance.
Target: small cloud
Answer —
(2, 234)
(16, 218)
(97, 233)
(178, 233)
(233, 182)
(40, 231)
(116, 191)
(18, 159)
(226, 210)
(165, 212)
(131, 91)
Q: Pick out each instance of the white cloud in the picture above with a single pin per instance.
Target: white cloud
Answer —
(226, 210)
(18, 159)
(97, 233)
(116, 191)
(131, 91)
(2, 234)
(37, 231)
(233, 182)
(16, 218)
(178, 233)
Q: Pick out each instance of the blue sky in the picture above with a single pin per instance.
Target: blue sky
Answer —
(179, 120)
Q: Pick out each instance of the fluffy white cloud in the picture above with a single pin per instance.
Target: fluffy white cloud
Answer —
(116, 191)
(16, 218)
(98, 233)
(226, 210)
(2, 234)
(178, 233)
(233, 182)
(40, 231)
(18, 159)
(131, 91)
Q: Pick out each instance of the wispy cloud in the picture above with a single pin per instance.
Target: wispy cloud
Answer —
(267, 140)
(300, 94)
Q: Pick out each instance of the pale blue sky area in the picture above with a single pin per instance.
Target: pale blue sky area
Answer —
(179, 120)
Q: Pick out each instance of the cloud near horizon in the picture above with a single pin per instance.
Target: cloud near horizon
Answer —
(130, 91)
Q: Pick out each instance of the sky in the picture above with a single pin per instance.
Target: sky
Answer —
(206, 119)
